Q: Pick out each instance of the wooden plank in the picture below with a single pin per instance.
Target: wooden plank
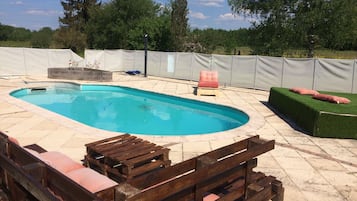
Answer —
(67, 188)
(35, 176)
(153, 154)
(109, 148)
(229, 149)
(207, 91)
(278, 189)
(25, 180)
(200, 175)
(125, 136)
(133, 151)
(265, 194)
(21, 156)
(36, 148)
(125, 156)
(144, 168)
(228, 179)
(164, 174)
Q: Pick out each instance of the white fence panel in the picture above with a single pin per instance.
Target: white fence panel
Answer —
(243, 71)
(60, 58)
(298, 73)
(95, 59)
(223, 64)
(269, 72)
(12, 61)
(200, 62)
(154, 63)
(36, 61)
(168, 64)
(184, 61)
(128, 60)
(111, 59)
(139, 62)
(334, 75)
(239, 71)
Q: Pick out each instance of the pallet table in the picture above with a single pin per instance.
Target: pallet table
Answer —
(125, 156)
(207, 91)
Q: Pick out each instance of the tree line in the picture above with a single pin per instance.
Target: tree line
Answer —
(307, 24)
(121, 24)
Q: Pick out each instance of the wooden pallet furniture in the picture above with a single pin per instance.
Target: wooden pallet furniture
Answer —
(208, 83)
(26, 177)
(207, 91)
(225, 174)
(125, 157)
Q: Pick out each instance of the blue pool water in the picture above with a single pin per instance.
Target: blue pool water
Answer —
(134, 111)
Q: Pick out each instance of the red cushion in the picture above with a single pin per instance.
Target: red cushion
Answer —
(59, 161)
(332, 99)
(211, 197)
(14, 140)
(304, 91)
(208, 79)
(90, 179)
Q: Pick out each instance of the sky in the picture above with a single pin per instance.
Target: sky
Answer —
(36, 14)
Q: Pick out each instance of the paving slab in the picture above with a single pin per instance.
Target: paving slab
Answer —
(310, 168)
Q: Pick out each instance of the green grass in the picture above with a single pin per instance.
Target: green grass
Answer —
(318, 118)
(15, 44)
(350, 108)
(244, 50)
(322, 53)
(298, 53)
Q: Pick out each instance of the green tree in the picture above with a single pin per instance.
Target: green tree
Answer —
(122, 24)
(14, 33)
(5, 32)
(303, 23)
(20, 34)
(210, 40)
(179, 24)
(42, 38)
(71, 33)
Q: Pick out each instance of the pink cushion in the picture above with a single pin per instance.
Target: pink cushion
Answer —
(90, 179)
(208, 79)
(59, 161)
(332, 99)
(304, 91)
(211, 197)
(14, 140)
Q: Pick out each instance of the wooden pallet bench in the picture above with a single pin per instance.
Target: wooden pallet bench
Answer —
(27, 177)
(125, 157)
(226, 173)
(223, 174)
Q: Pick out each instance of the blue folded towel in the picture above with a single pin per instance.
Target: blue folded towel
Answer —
(133, 72)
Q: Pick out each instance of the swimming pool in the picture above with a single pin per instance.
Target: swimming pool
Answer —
(124, 109)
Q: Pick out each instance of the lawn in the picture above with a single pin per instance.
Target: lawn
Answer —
(317, 118)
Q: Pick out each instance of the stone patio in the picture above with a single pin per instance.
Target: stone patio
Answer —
(310, 168)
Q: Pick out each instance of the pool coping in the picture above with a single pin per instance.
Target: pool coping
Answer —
(255, 121)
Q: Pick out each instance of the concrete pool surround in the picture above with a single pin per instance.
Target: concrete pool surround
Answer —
(310, 168)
